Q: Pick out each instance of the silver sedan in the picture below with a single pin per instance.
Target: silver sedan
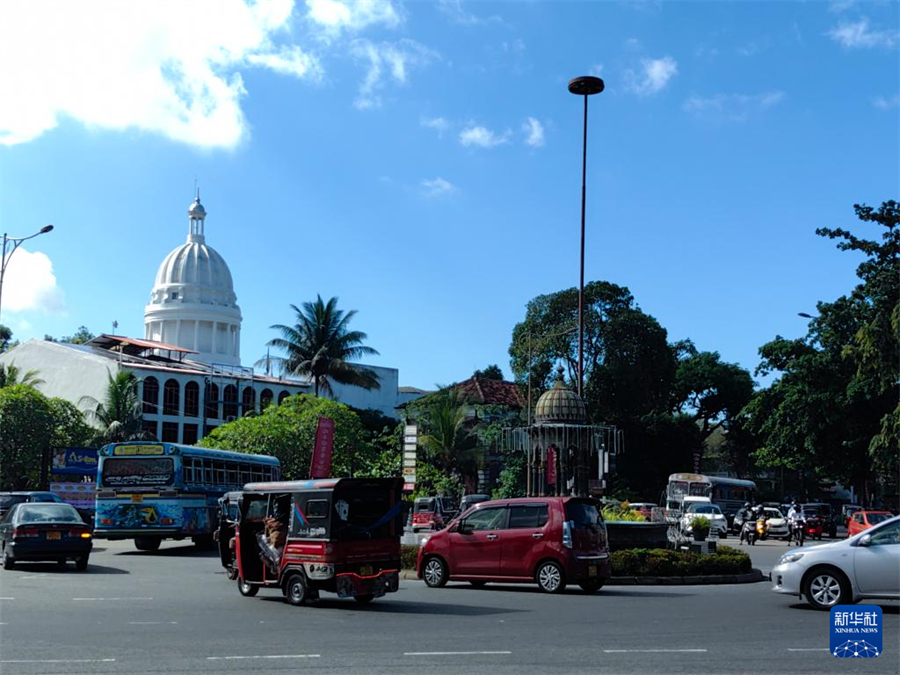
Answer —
(864, 566)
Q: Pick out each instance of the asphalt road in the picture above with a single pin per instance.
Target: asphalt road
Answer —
(175, 612)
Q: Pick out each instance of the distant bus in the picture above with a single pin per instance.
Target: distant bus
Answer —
(729, 494)
(150, 491)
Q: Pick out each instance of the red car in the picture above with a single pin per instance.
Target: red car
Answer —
(550, 541)
(863, 520)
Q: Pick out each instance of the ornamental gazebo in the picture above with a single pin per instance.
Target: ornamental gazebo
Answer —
(564, 454)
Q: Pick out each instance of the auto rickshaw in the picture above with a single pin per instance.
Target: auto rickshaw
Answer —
(340, 535)
(224, 535)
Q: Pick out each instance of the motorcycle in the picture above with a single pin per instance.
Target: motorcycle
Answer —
(762, 528)
(797, 532)
(748, 532)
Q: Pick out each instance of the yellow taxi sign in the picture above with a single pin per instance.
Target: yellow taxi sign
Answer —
(121, 450)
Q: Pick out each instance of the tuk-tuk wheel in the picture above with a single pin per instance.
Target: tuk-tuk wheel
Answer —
(295, 589)
(247, 590)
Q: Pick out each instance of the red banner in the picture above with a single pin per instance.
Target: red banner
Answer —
(321, 459)
(551, 465)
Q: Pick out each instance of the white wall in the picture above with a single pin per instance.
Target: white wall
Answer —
(384, 399)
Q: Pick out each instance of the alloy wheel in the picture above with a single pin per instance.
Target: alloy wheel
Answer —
(550, 578)
(434, 572)
(825, 590)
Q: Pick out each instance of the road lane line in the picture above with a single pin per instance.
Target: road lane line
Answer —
(106, 599)
(264, 656)
(7, 598)
(453, 653)
(809, 649)
(151, 623)
(60, 661)
(654, 651)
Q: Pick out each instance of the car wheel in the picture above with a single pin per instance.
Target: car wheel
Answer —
(8, 561)
(81, 564)
(246, 589)
(435, 572)
(826, 587)
(549, 577)
(363, 599)
(147, 543)
(478, 583)
(591, 586)
(295, 589)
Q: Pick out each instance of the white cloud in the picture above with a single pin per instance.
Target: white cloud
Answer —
(596, 70)
(171, 68)
(30, 283)
(352, 15)
(732, 107)
(859, 35)
(387, 62)
(482, 137)
(535, 131)
(653, 77)
(453, 9)
(437, 187)
(439, 124)
(887, 103)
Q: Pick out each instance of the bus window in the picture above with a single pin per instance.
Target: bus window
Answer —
(187, 470)
(219, 472)
(257, 474)
(679, 488)
(244, 474)
(232, 470)
(699, 490)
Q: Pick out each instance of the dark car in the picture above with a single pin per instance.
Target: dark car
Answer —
(44, 531)
(10, 499)
(550, 541)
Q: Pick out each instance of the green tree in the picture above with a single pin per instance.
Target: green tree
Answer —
(10, 375)
(69, 428)
(119, 416)
(447, 441)
(834, 408)
(26, 431)
(81, 336)
(288, 431)
(321, 346)
(5, 338)
(492, 372)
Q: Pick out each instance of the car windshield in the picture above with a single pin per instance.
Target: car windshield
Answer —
(875, 518)
(705, 508)
(774, 513)
(7, 501)
(48, 513)
(424, 505)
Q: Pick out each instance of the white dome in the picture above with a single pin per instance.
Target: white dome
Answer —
(198, 273)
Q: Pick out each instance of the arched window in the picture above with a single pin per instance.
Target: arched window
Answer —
(211, 406)
(283, 395)
(248, 401)
(151, 396)
(229, 400)
(172, 398)
(191, 399)
(265, 398)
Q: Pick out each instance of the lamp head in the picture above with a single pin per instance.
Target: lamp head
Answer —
(46, 228)
(586, 85)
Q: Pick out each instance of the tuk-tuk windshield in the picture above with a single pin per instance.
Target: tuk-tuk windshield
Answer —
(424, 505)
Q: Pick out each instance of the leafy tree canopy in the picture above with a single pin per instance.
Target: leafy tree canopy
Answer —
(492, 372)
(26, 431)
(80, 336)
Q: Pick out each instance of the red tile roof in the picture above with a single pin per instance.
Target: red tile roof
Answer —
(492, 392)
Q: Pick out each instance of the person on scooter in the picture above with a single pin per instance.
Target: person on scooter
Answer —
(795, 515)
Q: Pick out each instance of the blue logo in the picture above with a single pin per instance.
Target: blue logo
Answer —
(856, 631)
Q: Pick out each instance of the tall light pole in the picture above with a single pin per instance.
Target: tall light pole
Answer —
(585, 86)
(16, 242)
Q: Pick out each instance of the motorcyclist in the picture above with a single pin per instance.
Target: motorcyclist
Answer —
(795, 516)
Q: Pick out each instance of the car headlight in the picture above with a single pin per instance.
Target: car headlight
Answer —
(425, 540)
(789, 558)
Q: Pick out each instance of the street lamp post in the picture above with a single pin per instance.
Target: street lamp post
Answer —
(583, 86)
(16, 242)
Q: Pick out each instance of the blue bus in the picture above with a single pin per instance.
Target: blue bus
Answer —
(150, 491)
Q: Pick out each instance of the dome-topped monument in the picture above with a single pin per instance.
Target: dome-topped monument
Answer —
(559, 404)
(192, 304)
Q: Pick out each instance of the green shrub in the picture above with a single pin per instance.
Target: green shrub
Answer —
(700, 523)
(658, 562)
(408, 555)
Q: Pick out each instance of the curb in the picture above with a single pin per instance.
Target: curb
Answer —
(751, 577)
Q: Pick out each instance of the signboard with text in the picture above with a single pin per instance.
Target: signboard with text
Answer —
(321, 459)
(410, 440)
(74, 462)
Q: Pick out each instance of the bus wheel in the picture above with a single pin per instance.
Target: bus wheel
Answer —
(247, 590)
(295, 589)
(147, 543)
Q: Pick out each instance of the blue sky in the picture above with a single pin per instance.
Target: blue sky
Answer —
(422, 161)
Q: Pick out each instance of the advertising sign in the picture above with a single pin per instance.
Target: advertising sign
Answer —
(79, 495)
(74, 462)
(410, 441)
(321, 459)
(551, 465)
(127, 450)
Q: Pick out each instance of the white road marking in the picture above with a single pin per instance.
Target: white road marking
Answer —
(60, 661)
(453, 653)
(265, 656)
(151, 623)
(106, 599)
(809, 649)
(653, 651)
(7, 598)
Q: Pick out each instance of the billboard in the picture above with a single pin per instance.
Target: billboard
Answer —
(74, 461)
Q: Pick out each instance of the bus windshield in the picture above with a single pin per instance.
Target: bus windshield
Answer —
(133, 472)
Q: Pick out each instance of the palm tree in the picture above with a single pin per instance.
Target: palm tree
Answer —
(320, 346)
(448, 442)
(119, 415)
(11, 375)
